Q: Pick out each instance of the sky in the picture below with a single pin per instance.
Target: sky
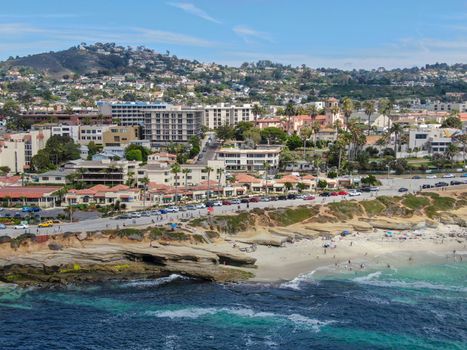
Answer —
(343, 34)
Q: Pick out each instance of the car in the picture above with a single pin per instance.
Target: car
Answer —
(309, 198)
(365, 189)
(273, 198)
(26, 209)
(190, 207)
(17, 215)
(2, 226)
(431, 177)
(354, 193)
(172, 209)
(134, 215)
(47, 223)
(35, 209)
(325, 194)
(182, 208)
(164, 211)
(254, 200)
(1, 209)
(416, 177)
(448, 176)
(145, 213)
(342, 193)
(454, 182)
(7, 215)
(403, 189)
(226, 202)
(265, 199)
(374, 188)
(217, 203)
(424, 186)
(21, 227)
(441, 184)
(209, 204)
(464, 175)
(334, 194)
(291, 196)
(200, 206)
(235, 201)
(123, 217)
(244, 200)
(282, 197)
(459, 170)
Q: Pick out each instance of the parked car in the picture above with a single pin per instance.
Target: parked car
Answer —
(123, 217)
(265, 199)
(464, 175)
(374, 188)
(172, 209)
(424, 186)
(325, 194)
(190, 207)
(217, 203)
(48, 223)
(431, 176)
(254, 200)
(200, 206)
(403, 189)
(365, 189)
(291, 196)
(309, 198)
(354, 193)
(342, 193)
(134, 215)
(21, 226)
(416, 177)
(282, 197)
(163, 211)
(26, 209)
(334, 194)
(455, 182)
(244, 200)
(235, 201)
(2, 226)
(441, 184)
(226, 202)
(448, 176)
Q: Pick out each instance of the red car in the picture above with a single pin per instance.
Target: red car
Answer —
(309, 198)
(343, 193)
(254, 200)
(334, 194)
(226, 202)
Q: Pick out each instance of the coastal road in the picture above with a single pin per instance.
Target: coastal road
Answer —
(389, 188)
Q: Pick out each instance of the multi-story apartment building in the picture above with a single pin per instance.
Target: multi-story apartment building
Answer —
(94, 133)
(17, 150)
(225, 114)
(66, 130)
(105, 172)
(432, 140)
(128, 113)
(120, 135)
(176, 124)
(249, 159)
(449, 106)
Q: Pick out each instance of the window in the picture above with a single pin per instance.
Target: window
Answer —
(421, 136)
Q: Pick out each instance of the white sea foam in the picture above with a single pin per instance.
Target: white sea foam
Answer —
(155, 282)
(195, 312)
(300, 279)
(368, 277)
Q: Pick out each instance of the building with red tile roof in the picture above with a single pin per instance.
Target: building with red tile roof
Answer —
(40, 196)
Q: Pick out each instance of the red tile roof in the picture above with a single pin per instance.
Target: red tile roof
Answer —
(245, 178)
(288, 178)
(32, 192)
(463, 117)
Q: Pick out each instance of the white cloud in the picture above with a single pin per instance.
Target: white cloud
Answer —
(248, 34)
(193, 10)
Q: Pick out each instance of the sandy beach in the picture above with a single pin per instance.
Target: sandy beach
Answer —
(358, 251)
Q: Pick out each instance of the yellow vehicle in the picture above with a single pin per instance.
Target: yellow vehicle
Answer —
(48, 223)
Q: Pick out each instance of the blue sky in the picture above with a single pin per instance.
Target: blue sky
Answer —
(320, 33)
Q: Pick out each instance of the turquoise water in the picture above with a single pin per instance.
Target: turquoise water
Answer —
(422, 307)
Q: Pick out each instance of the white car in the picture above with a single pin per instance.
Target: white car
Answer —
(200, 206)
(172, 209)
(217, 203)
(354, 193)
(431, 176)
(235, 201)
(21, 227)
(448, 176)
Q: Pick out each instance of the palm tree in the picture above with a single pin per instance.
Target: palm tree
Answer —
(313, 111)
(186, 171)
(144, 181)
(266, 166)
(451, 151)
(315, 127)
(461, 139)
(219, 171)
(257, 111)
(347, 109)
(369, 108)
(396, 129)
(208, 170)
(385, 107)
(289, 112)
(357, 138)
(305, 133)
(176, 169)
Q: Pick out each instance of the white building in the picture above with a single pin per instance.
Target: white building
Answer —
(128, 113)
(249, 159)
(94, 133)
(225, 114)
(66, 130)
(432, 140)
(448, 106)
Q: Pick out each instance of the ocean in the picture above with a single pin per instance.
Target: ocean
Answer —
(418, 307)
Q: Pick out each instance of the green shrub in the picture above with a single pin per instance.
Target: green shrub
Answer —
(415, 202)
(373, 207)
(345, 210)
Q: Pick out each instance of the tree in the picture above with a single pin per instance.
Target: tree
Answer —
(301, 186)
(143, 150)
(452, 122)
(219, 171)
(293, 142)
(58, 149)
(257, 110)
(305, 133)
(322, 184)
(134, 154)
(451, 151)
(93, 149)
(4, 170)
(273, 135)
(396, 129)
(252, 135)
(313, 111)
(225, 132)
(241, 128)
(289, 112)
(347, 109)
(315, 127)
(462, 140)
(288, 186)
(186, 171)
(176, 169)
(144, 181)
(208, 170)
(385, 107)
(266, 166)
(369, 108)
